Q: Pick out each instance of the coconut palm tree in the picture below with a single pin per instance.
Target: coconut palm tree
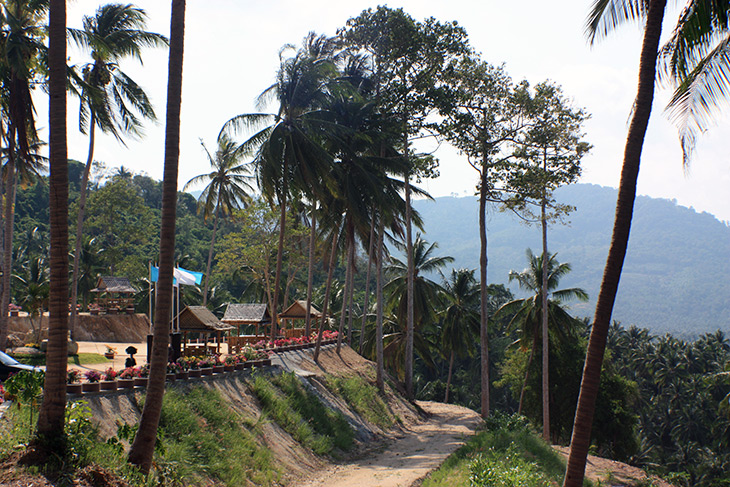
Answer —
(52, 411)
(460, 318)
(142, 449)
(604, 17)
(228, 189)
(22, 33)
(110, 100)
(527, 313)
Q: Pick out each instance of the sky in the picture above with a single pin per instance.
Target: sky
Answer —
(232, 53)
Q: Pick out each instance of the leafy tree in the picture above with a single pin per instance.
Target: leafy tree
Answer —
(142, 449)
(228, 188)
(604, 17)
(109, 98)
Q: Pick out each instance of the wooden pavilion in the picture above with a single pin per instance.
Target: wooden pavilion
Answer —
(246, 314)
(297, 311)
(199, 319)
(114, 294)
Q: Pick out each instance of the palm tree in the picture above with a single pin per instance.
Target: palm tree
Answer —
(52, 411)
(604, 17)
(21, 46)
(142, 449)
(460, 317)
(425, 293)
(527, 313)
(109, 98)
(289, 155)
(228, 188)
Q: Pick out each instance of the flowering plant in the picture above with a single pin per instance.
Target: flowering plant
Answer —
(129, 373)
(231, 360)
(14, 307)
(110, 349)
(2, 394)
(186, 363)
(73, 376)
(109, 374)
(144, 371)
(174, 368)
(206, 362)
(92, 375)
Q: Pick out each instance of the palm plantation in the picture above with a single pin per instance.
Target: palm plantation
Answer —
(109, 99)
(228, 189)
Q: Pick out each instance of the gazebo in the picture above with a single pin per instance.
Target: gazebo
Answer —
(245, 314)
(297, 311)
(115, 293)
(199, 319)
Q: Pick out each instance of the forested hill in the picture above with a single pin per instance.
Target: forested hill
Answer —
(675, 277)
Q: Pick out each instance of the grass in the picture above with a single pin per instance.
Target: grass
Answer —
(363, 398)
(507, 454)
(300, 413)
(80, 359)
(202, 434)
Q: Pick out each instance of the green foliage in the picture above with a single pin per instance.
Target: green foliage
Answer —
(205, 439)
(301, 414)
(506, 453)
(364, 399)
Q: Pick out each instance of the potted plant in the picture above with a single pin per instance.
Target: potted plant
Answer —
(110, 352)
(73, 381)
(92, 385)
(142, 378)
(95, 309)
(183, 368)
(109, 380)
(14, 309)
(229, 363)
(218, 366)
(172, 369)
(125, 379)
(206, 366)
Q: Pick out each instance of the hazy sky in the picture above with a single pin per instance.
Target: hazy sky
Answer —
(231, 55)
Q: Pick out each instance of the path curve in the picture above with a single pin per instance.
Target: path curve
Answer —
(422, 449)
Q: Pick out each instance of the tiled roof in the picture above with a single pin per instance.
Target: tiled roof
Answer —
(200, 318)
(113, 284)
(247, 312)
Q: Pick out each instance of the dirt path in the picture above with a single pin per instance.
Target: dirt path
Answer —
(422, 449)
(600, 469)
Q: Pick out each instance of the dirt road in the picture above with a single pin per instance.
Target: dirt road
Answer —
(422, 449)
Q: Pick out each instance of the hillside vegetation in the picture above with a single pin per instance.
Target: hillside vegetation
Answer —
(674, 277)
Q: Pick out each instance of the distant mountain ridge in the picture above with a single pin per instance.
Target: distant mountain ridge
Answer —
(675, 278)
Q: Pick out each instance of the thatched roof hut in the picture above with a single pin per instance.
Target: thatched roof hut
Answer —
(201, 320)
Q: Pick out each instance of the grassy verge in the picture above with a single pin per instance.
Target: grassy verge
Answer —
(363, 398)
(300, 413)
(506, 454)
(80, 359)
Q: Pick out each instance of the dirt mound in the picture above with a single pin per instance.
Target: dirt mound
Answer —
(603, 469)
(103, 328)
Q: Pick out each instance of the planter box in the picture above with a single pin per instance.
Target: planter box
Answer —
(108, 385)
(193, 373)
(140, 382)
(184, 375)
(239, 366)
(73, 388)
(229, 368)
(109, 355)
(218, 369)
(91, 387)
(206, 371)
(170, 377)
(125, 383)
(248, 364)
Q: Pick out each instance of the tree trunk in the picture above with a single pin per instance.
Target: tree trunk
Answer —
(409, 296)
(210, 252)
(8, 242)
(483, 329)
(448, 380)
(328, 287)
(367, 283)
(580, 440)
(527, 370)
(350, 293)
(545, 340)
(51, 416)
(310, 271)
(80, 225)
(142, 449)
(379, 364)
(280, 251)
(345, 292)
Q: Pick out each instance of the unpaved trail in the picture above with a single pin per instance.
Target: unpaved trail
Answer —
(421, 449)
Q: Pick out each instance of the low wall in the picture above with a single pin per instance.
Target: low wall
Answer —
(103, 328)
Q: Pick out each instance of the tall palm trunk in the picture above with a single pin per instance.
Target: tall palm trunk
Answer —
(617, 252)
(545, 341)
(53, 408)
(367, 283)
(143, 446)
(410, 321)
(310, 272)
(346, 291)
(379, 363)
(527, 370)
(80, 225)
(483, 329)
(350, 295)
(448, 379)
(327, 289)
(210, 252)
(8, 240)
(280, 249)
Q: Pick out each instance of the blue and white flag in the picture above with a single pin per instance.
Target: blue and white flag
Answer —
(181, 276)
